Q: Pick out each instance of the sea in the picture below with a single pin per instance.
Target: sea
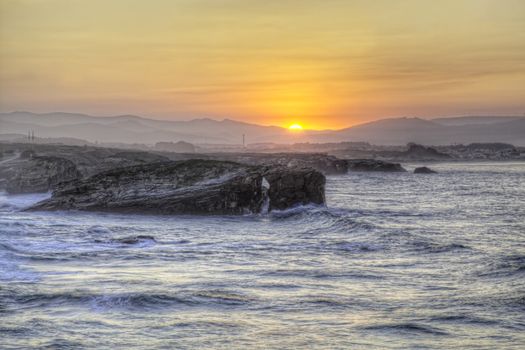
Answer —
(393, 261)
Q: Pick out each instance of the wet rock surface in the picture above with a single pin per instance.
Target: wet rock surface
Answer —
(88, 160)
(420, 152)
(130, 240)
(29, 173)
(190, 187)
(373, 165)
(424, 170)
(328, 165)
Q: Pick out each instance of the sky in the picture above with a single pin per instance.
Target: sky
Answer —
(322, 64)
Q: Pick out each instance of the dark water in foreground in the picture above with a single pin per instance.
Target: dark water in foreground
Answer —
(397, 261)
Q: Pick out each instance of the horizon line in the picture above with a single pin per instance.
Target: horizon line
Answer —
(428, 118)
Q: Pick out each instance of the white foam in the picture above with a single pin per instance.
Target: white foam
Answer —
(16, 202)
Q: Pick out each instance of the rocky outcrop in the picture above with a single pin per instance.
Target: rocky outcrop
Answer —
(424, 170)
(88, 160)
(129, 240)
(412, 152)
(328, 165)
(30, 173)
(485, 151)
(290, 187)
(190, 187)
(373, 165)
(420, 152)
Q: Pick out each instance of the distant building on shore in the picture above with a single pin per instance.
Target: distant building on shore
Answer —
(177, 147)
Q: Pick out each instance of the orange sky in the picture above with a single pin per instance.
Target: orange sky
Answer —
(324, 64)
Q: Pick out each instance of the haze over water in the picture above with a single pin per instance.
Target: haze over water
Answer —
(395, 260)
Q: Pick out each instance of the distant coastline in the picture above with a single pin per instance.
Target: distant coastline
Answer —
(75, 128)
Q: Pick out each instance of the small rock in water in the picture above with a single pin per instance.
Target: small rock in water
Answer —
(133, 239)
(424, 170)
(98, 230)
(373, 165)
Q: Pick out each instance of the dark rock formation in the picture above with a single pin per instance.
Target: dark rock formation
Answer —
(88, 160)
(91, 161)
(35, 173)
(492, 146)
(421, 152)
(412, 152)
(424, 170)
(373, 165)
(191, 187)
(485, 151)
(290, 187)
(129, 240)
(324, 163)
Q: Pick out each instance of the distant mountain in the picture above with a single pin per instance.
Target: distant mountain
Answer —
(470, 120)
(134, 129)
(394, 131)
(399, 131)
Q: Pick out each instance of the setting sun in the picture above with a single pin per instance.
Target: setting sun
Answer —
(295, 127)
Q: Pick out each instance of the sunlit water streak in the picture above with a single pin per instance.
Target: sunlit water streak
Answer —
(395, 261)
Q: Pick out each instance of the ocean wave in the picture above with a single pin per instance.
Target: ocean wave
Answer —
(132, 301)
(223, 297)
(507, 266)
(435, 248)
(10, 248)
(204, 324)
(321, 274)
(406, 328)
(356, 247)
(142, 240)
(330, 219)
(516, 301)
(135, 301)
(514, 262)
(278, 285)
(53, 250)
(97, 230)
(10, 267)
(61, 344)
(299, 211)
(105, 252)
(98, 302)
(10, 203)
(14, 330)
(16, 274)
(465, 319)
(327, 302)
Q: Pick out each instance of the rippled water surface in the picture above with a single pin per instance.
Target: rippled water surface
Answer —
(395, 261)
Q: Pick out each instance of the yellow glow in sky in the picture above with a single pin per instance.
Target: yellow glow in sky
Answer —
(295, 127)
(333, 62)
